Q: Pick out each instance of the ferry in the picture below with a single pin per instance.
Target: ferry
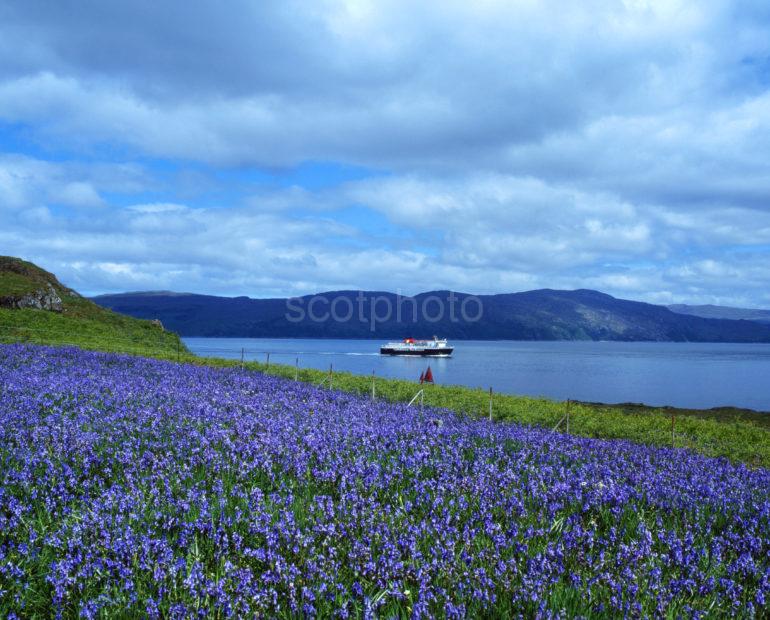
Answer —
(410, 346)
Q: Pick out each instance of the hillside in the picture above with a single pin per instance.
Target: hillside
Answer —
(36, 307)
(534, 315)
(709, 311)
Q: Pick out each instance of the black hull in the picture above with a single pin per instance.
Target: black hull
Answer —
(445, 352)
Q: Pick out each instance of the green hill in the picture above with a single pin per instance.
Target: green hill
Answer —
(36, 307)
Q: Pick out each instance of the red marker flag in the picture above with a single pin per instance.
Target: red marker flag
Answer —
(428, 375)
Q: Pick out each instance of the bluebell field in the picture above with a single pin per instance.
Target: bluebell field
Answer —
(145, 488)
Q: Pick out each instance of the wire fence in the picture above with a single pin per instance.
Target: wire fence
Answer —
(568, 417)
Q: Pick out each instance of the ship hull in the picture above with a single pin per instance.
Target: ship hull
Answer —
(443, 352)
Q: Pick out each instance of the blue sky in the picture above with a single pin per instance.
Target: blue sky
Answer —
(271, 149)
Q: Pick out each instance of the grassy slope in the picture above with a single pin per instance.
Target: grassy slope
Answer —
(82, 322)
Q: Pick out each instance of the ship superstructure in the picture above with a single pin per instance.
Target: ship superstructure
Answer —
(409, 346)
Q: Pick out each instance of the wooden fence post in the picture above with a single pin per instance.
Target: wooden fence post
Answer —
(268, 360)
(673, 441)
(569, 406)
(490, 404)
(331, 379)
(296, 369)
(372, 385)
(242, 352)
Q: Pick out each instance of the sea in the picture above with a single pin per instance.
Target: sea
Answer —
(689, 375)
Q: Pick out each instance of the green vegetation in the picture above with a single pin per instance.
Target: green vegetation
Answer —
(15, 284)
(81, 322)
(19, 277)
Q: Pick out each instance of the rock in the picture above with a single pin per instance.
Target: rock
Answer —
(157, 323)
(42, 299)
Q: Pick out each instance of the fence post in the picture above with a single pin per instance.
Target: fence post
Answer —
(569, 406)
(422, 398)
(267, 364)
(296, 369)
(330, 376)
(490, 404)
(673, 442)
(177, 349)
(372, 385)
(242, 359)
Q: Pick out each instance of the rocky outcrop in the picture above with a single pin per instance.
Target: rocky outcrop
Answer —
(45, 298)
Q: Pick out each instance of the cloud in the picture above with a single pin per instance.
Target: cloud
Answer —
(621, 145)
(27, 182)
(78, 194)
(511, 222)
(158, 208)
(488, 233)
(387, 83)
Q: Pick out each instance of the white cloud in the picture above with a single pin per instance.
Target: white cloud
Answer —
(77, 194)
(386, 83)
(27, 182)
(510, 222)
(623, 145)
(158, 207)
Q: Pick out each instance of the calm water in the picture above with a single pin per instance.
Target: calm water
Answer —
(681, 375)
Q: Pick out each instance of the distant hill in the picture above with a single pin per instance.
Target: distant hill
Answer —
(534, 315)
(36, 307)
(723, 312)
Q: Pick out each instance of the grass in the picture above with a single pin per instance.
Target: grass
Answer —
(15, 284)
(89, 327)
(82, 323)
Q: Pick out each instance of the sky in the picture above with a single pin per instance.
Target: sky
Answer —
(283, 148)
